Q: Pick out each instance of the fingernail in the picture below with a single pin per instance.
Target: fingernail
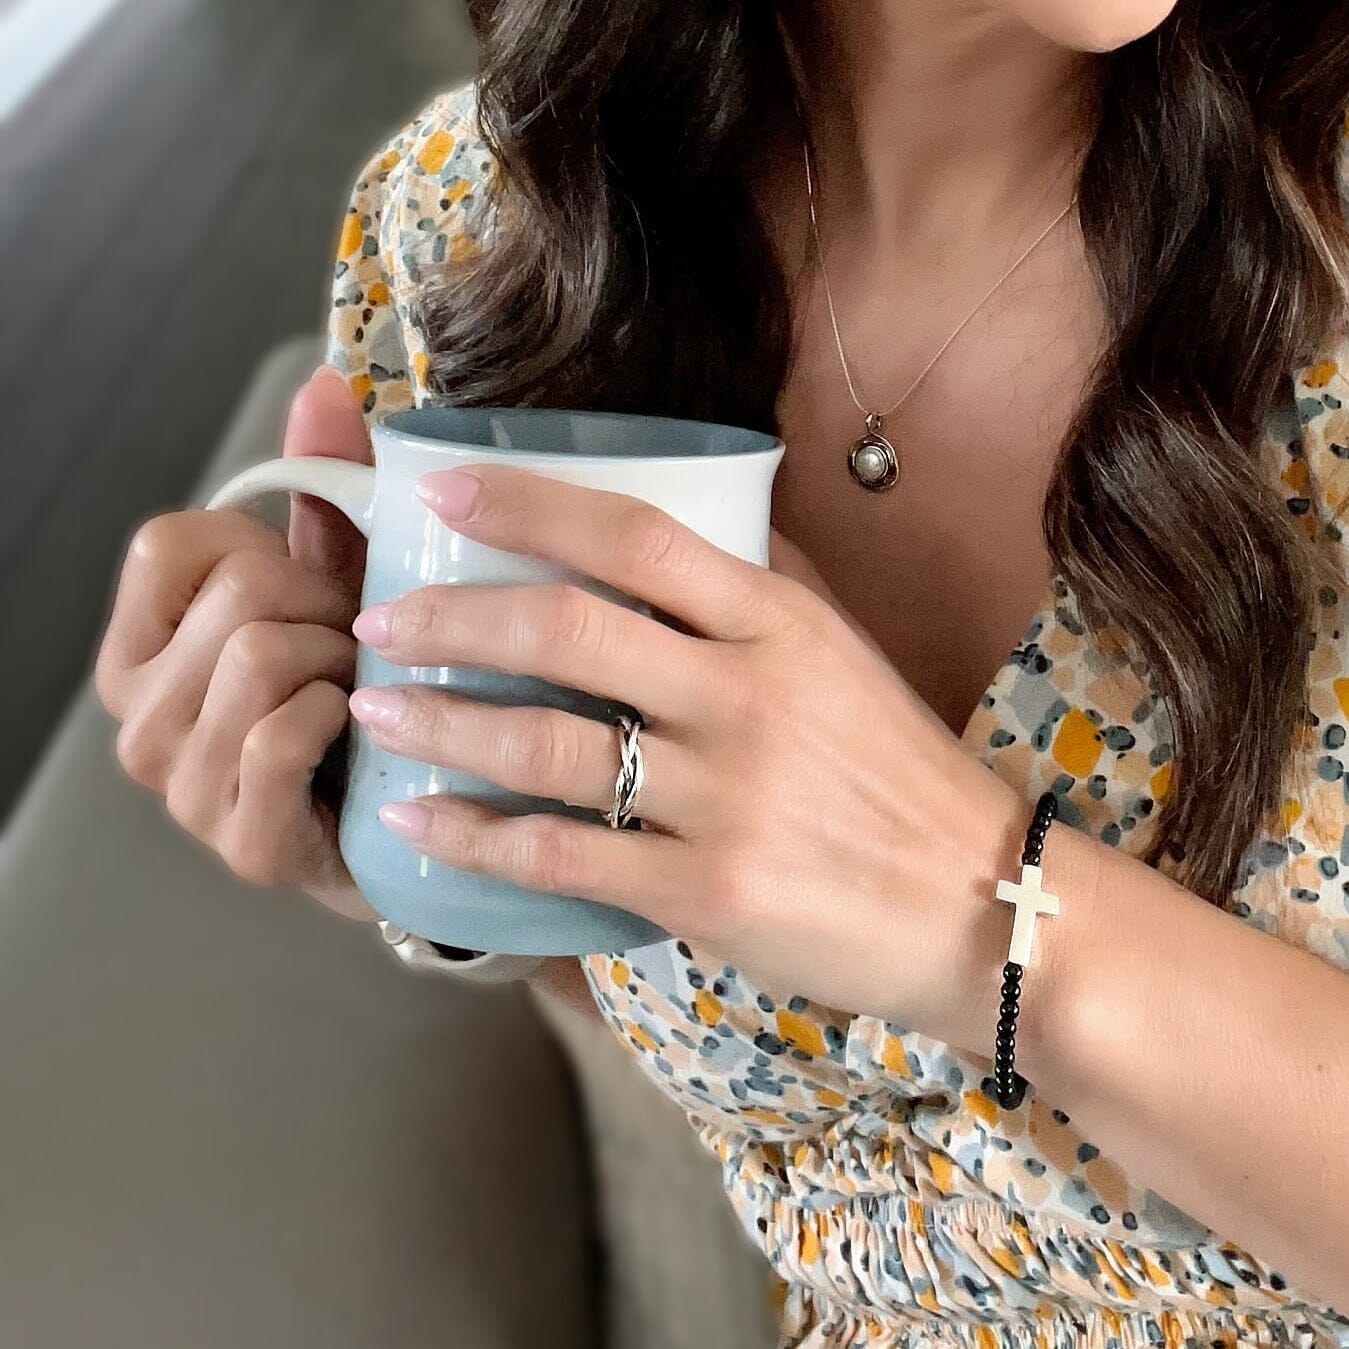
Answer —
(374, 626)
(450, 493)
(327, 371)
(381, 708)
(406, 819)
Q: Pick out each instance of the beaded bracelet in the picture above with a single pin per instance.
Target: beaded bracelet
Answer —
(1030, 901)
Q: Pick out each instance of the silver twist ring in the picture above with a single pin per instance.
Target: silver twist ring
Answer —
(631, 773)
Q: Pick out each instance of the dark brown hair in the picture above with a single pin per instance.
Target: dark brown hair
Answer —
(629, 271)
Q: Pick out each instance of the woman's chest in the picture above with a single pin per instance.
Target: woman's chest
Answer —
(946, 569)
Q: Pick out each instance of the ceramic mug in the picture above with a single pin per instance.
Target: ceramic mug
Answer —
(715, 479)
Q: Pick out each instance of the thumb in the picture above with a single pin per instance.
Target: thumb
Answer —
(326, 419)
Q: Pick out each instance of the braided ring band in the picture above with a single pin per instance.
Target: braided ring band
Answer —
(631, 773)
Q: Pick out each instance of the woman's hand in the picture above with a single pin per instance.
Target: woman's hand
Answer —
(228, 660)
(804, 814)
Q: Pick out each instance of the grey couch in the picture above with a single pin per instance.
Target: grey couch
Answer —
(228, 1118)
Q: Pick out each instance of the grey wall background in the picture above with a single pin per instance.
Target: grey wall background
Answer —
(169, 204)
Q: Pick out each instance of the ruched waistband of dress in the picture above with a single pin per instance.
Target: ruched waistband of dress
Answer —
(817, 1325)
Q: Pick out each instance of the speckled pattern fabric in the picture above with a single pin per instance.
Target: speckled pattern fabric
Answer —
(896, 1202)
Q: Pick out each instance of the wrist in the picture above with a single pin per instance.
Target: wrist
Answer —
(990, 831)
(1053, 1009)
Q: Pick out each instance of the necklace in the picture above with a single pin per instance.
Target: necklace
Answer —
(873, 461)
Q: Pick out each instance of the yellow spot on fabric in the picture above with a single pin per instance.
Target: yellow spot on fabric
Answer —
(917, 1218)
(895, 1057)
(1161, 781)
(459, 191)
(802, 1155)
(804, 1034)
(1217, 1295)
(435, 154)
(708, 1007)
(1289, 813)
(1342, 695)
(981, 1105)
(927, 1299)
(389, 160)
(421, 367)
(620, 973)
(809, 1244)
(761, 1116)
(1008, 1260)
(777, 1294)
(1157, 1276)
(825, 1096)
(352, 236)
(644, 1039)
(378, 294)
(1117, 1283)
(1320, 375)
(1172, 1329)
(986, 1338)
(463, 246)
(1078, 744)
(362, 386)
(1298, 476)
(943, 1171)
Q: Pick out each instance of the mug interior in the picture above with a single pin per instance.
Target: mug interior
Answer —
(577, 434)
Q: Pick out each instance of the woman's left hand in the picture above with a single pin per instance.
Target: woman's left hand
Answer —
(804, 814)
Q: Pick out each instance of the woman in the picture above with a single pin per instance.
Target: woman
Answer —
(1089, 263)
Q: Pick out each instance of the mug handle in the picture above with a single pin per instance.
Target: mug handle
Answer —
(350, 487)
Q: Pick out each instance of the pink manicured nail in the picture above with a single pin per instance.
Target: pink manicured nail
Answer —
(382, 708)
(451, 493)
(374, 627)
(406, 819)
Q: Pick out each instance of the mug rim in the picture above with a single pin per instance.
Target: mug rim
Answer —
(758, 443)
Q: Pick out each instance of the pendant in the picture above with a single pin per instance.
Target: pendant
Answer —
(873, 460)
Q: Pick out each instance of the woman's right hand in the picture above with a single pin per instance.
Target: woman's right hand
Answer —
(228, 661)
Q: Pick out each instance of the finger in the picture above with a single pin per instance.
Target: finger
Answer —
(261, 666)
(326, 419)
(279, 834)
(245, 587)
(536, 751)
(169, 560)
(644, 872)
(620, 540)
(556, 632)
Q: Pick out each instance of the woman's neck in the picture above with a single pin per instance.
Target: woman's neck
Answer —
(938, 115)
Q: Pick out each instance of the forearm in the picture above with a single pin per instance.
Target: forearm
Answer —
(1208, 1059)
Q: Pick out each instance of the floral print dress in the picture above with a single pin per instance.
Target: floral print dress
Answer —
(897, 1202)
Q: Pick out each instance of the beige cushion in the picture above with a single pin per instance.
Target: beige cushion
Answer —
(684, 1275)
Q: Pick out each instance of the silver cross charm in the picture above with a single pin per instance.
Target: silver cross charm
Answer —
(1030, 902)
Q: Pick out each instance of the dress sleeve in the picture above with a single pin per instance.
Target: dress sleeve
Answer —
(417, 205)
(1296, 884)
(366, 340)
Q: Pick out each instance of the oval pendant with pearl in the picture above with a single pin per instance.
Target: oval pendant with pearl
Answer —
(873, 461)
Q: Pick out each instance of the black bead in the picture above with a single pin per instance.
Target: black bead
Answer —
(1007, 1023)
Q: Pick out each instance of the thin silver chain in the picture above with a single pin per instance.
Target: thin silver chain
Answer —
(941, 351)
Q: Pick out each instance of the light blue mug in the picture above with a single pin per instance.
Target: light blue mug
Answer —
(715, 479)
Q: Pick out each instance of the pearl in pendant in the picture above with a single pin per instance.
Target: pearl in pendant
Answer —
(873, 463)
